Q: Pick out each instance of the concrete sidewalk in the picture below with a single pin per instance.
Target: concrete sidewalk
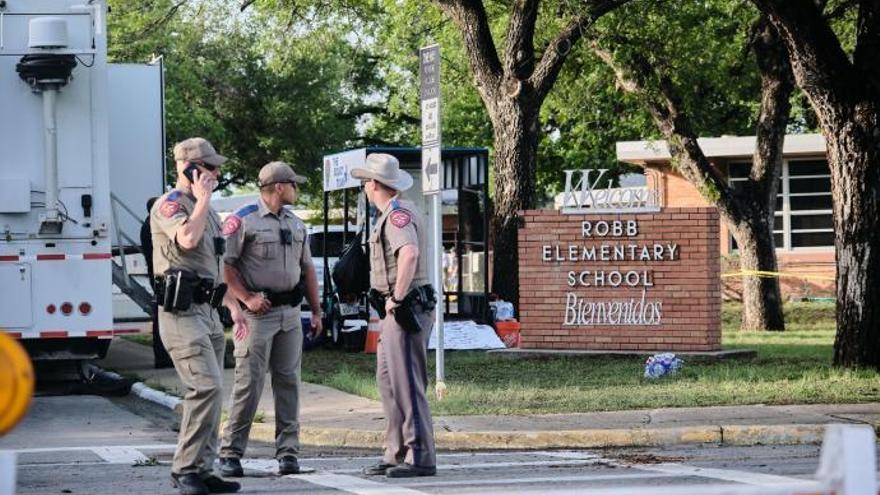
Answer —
(336, 419)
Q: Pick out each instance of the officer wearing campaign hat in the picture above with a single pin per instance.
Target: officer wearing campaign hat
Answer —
(399, 280)
(187, 258)
(267, 255)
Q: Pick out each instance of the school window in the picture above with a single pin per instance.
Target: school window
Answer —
(803, 206)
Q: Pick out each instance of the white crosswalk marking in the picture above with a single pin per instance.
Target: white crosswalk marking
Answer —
(158, 446)
(265, 465)
(338, 476)
(803, 488)
(353, 484)
(349, 484)
(542, 480)
(498, 465)
(119, 455)
(721, 474)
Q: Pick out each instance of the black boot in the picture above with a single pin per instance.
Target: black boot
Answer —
(378, 469)
(410, 471)
(231, 467)
(219, 485)
(288, 465)
(189, 484)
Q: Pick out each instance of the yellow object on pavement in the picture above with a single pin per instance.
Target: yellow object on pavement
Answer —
(16, 383)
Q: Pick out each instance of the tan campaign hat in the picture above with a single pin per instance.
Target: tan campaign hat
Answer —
(277, 173)
(198, 149)
(385, 169)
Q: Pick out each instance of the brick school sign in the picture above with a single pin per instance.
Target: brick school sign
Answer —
(612, 270)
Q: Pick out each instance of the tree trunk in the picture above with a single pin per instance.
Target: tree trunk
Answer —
(748, 209)
(762, 300)
(843, 92)
(512, 90)
(853, 143)
(516, 147)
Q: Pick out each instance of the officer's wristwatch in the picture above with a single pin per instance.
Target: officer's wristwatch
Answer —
(395, 300)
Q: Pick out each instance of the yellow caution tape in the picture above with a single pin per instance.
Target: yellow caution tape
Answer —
(16, 382)
(763, 274)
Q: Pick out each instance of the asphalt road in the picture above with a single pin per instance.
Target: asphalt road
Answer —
(93, 445)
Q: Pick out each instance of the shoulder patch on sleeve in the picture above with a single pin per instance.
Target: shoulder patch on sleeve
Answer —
(231, 225)
(170, 206)
(233, 222)
(246, 210)
(400, 218)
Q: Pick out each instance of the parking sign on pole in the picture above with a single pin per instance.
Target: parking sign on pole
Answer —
(429, 78)
(432, 184)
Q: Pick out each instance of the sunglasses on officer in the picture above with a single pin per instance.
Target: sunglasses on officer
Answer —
(206, 166)
(292, 183)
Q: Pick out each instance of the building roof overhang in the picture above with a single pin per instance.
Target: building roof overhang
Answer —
(725, 147)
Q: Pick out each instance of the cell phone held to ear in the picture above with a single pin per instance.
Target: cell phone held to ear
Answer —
(188, 172)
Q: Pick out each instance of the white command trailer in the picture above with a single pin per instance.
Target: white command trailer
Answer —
(56, 212)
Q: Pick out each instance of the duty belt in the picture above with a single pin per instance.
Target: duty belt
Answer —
(186, 289)
(422, 296)
(291, 297)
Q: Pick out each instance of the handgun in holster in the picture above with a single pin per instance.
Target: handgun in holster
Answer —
(208, 293)
(377, 301)
(418, 301)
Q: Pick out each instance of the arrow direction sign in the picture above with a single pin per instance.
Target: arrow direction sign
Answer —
(429, 94)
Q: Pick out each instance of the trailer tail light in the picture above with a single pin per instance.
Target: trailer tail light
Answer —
(85, 308)
(51, 309)
(67, 308)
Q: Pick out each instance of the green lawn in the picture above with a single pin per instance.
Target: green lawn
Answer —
(791, 367)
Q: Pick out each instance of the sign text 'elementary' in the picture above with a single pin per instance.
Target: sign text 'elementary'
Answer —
(581, 311)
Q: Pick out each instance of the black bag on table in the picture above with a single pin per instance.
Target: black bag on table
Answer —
(351, 274)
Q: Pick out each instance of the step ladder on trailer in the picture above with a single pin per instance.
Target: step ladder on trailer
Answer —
(134, 285)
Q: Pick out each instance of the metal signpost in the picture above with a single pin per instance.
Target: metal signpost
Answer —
(432, 184)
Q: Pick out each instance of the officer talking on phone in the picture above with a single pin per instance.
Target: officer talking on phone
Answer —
(188, 249)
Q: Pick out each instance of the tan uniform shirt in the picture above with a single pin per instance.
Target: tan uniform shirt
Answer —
(400, 224)
(170, 211)
(254, 246)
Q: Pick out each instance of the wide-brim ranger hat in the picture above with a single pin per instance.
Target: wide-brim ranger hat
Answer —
(278, 173)
(198, 149)
(385, 169)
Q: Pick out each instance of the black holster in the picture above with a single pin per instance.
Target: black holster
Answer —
(417, 302)
(178, 290)
(377, 301)
(209, 294)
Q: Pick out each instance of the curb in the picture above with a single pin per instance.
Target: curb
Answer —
(740, 435)
(773, 434)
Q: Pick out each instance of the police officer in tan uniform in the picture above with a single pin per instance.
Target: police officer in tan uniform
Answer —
(267, 254)
(400, 290)
(187, 257)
